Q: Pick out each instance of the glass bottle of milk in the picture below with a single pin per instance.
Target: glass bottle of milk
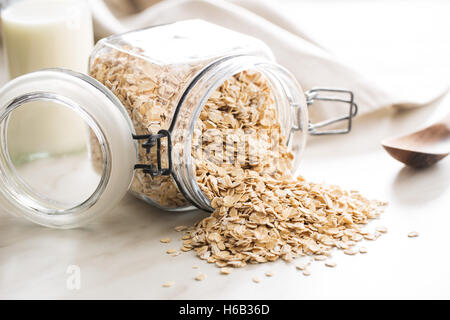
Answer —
(40, 34)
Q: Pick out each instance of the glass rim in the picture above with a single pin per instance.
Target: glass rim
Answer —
(107, 118)
(15, 187)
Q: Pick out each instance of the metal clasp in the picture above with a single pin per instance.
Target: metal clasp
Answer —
(152, 140)
(317, 94)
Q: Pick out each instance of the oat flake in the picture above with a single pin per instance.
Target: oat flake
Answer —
(256, 280)
(168, 284)
(225, 270)
(200, 277)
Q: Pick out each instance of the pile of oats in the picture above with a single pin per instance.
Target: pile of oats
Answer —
(242, 165)
(262, 213)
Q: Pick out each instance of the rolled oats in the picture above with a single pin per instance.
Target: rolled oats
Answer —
(381, 229)
(320, 258)
(350, 252)
(168, 284)
(261, 212)
(225, 270)
(200, 277)
(302, 266)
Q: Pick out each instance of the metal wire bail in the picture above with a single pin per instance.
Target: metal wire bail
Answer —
(151, 141)
(323, 94)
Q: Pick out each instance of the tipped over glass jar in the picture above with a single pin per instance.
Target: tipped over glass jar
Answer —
(154, 104)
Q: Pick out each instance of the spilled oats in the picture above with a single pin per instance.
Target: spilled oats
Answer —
(242, 165)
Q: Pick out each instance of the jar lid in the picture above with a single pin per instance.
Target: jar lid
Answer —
(67, 150)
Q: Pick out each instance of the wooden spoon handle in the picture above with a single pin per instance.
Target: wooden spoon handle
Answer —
(446, 121)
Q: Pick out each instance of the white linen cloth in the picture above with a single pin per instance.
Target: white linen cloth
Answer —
(312, 65)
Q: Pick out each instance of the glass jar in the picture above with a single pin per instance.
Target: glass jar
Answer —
(141, 102)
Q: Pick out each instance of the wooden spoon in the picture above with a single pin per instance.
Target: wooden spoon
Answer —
(422, 148)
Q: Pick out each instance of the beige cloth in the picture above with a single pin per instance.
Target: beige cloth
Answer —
(312, 65)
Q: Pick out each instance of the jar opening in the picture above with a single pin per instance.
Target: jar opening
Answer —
(283, 92)
(67, 152)
(46, 154)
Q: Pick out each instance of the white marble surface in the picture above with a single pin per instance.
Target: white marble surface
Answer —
(120, 255)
